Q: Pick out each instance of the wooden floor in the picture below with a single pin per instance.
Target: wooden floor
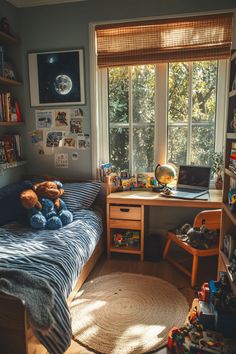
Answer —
(162, 269)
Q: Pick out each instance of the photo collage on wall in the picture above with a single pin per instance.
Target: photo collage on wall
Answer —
(58, 130)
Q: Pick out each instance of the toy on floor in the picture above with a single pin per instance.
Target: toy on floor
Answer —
(45, 208)
(193, 338)
(210, 327)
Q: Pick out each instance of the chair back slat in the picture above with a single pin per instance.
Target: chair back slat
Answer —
(210, 218)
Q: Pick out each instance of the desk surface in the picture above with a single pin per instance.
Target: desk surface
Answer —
(155, 199)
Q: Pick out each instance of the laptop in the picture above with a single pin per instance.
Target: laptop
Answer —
(192, 182)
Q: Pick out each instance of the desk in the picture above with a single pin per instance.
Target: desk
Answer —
(125, 210)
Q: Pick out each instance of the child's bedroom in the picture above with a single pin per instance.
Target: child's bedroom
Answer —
(117, 177)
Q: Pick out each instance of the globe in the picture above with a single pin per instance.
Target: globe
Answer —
(165, 174)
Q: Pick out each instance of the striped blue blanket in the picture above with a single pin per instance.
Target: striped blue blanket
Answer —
(56, 256)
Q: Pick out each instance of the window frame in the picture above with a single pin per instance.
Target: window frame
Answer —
(99, 109)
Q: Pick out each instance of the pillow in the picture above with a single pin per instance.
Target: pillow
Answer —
(10, 205)
(80, 195)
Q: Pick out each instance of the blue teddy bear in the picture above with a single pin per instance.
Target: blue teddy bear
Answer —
(45, 207)
(49, 217)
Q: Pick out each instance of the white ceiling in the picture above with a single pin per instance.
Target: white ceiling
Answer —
(30, 3)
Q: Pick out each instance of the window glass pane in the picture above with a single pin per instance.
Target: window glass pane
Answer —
(143, 93)
(118, 86)
(119, 148)
(202, 144)
(177, 145)
(143, 149)
(178, 92)
(204, 91)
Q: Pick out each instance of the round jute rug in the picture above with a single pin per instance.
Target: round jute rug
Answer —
(124, 313)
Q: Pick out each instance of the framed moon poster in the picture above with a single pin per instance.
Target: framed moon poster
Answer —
(56, 78)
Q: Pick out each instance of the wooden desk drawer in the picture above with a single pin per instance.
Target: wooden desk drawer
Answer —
(125, 212)
(125, 224)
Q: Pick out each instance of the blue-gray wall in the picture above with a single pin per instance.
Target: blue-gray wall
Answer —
(66, 27)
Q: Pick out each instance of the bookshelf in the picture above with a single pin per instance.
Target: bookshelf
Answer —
(9, 165)
(10, 142)
(228, 215)
(7, 38)
(11, 123)
(9, 82)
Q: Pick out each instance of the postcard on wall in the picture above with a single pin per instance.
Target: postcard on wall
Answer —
(76, 125)
(44, 119)
(68, 142)
(62, 119)
(76, 113)
(36, 136)
(53, 139)
(84, 142)
(61, 160)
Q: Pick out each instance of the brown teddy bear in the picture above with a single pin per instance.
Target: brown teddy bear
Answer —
(48, 189)
(51, 190)
(29, 199)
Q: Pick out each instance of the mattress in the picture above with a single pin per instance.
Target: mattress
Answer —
(56, 256)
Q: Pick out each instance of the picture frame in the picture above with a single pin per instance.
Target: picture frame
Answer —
(56, 78)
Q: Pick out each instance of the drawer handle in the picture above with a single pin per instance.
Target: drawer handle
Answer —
(124, 210)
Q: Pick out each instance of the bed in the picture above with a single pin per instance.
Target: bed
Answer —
(52, 265)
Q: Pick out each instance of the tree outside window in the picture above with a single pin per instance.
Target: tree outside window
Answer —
(190, 114)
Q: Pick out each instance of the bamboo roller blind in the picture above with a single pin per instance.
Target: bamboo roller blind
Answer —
(169, 40)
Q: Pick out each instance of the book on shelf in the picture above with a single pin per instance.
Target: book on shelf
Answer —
(1, 60)
(3, 158)
(12, 147)
(232, 158)
(7, 98)
(9, 108)
(1, 109)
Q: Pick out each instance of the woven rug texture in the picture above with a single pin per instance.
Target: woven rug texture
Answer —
(124, 313)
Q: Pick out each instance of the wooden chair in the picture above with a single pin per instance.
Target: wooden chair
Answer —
(211, 219)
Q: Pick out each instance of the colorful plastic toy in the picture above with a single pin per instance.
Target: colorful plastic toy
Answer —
(232, 200)
(204, 293)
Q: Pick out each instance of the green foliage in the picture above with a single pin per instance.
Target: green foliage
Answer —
(118, 95)
(137, 85)
(143, 93)
(217, 163)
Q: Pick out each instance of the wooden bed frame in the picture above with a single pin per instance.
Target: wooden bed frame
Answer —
(16, 337)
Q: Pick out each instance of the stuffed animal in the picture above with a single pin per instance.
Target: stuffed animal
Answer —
(29, 199)
(51, 190)
(45, 208)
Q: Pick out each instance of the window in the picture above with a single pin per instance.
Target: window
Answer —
(192, 112)
(146, 111)
(131, 117)
(134, 119)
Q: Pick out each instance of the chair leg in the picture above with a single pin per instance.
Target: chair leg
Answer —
(166, 249)
(194, 271)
